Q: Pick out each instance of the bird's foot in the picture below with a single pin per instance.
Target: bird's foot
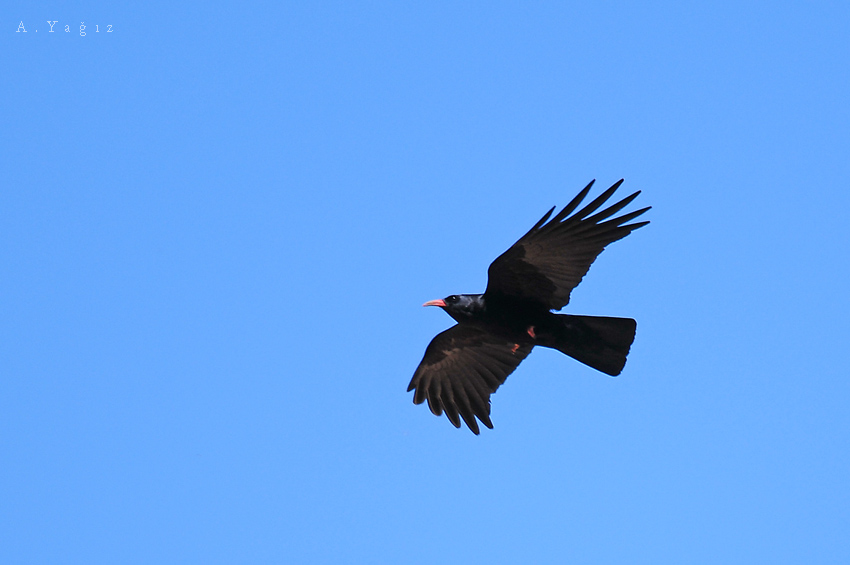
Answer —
(530, 331)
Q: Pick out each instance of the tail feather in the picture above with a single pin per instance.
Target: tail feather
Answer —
(599, 342)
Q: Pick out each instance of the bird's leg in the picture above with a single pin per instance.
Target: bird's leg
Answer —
(530, 331)
(514, 348)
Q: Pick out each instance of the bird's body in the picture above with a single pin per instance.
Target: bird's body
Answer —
(496, 330)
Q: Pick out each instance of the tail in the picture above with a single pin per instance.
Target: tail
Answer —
(599, 342)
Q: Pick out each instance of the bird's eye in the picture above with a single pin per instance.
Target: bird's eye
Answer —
(452, 299)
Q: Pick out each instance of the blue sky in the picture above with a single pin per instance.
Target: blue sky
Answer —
(218, 225)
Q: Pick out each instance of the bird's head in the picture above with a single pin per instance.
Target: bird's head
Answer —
(460, 306)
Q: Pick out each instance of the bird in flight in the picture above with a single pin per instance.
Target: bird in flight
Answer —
(496, 330)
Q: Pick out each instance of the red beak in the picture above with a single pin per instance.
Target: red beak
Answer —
(441, 303)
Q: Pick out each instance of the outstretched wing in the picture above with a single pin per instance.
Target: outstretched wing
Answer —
(548, 262)
(462, 367)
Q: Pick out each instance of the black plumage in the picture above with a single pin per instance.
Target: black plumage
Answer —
(496, 330)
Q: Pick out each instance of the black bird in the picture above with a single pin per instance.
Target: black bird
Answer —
(496, 330)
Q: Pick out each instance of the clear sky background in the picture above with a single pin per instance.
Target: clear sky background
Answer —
(218, 225)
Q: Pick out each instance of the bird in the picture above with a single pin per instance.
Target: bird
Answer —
(496, 330)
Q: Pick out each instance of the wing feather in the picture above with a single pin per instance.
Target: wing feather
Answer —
(549, 261)
(462, 367)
